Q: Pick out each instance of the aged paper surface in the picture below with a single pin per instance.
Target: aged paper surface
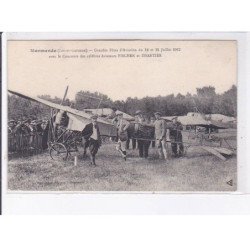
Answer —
(192, 84)
(111, 67)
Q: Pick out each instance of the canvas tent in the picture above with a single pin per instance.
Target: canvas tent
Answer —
(196, 119)
(191, 119)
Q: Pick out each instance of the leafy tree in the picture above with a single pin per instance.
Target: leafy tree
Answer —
(205, 101)
(86, 99)
(229, 102)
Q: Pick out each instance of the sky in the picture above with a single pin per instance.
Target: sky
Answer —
(155, 67)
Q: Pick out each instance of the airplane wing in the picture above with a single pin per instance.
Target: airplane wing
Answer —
(77, 119)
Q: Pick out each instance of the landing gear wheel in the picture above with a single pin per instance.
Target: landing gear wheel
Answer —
(58, 151)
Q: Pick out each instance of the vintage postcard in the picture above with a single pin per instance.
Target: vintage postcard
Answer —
(122, 115)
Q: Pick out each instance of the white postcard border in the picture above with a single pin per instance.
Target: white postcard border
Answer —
(134, 202)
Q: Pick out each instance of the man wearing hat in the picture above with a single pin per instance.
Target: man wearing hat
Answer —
(160, 135)
(11, 125)
(122, 127)
(91, 136)
(143, 144)
(175, 136)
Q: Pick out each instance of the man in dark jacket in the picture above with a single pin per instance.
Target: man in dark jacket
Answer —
(92, 138)
(176, 137)
(143, 143)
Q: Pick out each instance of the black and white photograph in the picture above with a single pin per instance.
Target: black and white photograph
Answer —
(124, 124)
(122, 115)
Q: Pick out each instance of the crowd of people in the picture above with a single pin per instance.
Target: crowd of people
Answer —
(143, 133)
(26, 133)
(26, 126)
(160, 132)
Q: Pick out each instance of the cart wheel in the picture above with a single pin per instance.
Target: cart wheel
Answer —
(58, 151)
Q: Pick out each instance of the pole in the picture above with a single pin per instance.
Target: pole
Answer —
(75, 161)
(65, 94)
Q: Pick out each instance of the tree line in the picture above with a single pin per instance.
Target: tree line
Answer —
(205, 100)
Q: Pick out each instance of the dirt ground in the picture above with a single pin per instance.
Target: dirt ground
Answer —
(197, 171)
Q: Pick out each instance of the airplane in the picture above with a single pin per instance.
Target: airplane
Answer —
(62, 142)
(60, 146)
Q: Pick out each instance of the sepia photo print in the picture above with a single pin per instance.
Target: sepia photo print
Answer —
(122, 115)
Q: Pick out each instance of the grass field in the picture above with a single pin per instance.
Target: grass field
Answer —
(198, 171)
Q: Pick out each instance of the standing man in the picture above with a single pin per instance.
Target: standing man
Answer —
(31, 132)
(152, 122)
(114, 120)
(160, 135)
(122, 127)
(11, 125)
(176, 137)
(92, 137)
(143, 144)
